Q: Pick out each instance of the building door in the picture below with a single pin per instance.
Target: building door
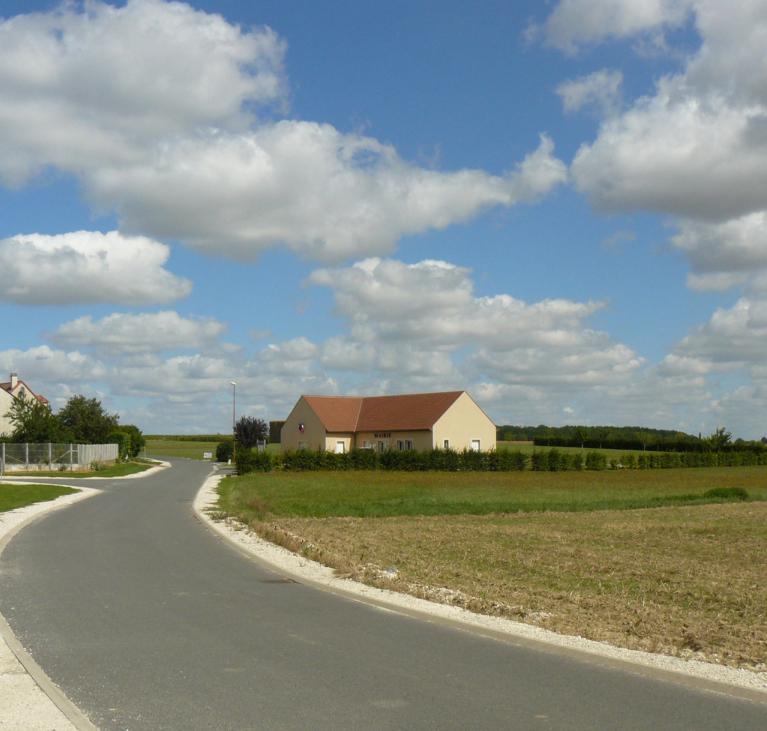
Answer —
(340, 446)
(475, 445)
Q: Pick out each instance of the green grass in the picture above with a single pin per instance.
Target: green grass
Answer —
(17, 496)
(188, 449)
(118, 470)
(178, 448)
(384, 494)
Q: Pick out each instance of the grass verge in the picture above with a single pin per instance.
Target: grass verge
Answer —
(686, 580)
(118, 470)
(18, 496)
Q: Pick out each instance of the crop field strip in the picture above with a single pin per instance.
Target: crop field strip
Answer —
(542, 548)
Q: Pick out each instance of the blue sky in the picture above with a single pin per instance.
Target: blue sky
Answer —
(559, 207)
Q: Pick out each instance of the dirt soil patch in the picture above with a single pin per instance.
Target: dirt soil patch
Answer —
(686, 581)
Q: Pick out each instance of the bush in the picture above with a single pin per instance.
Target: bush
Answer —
(249, 461)
(727, 493)
(224, 451)
(123, 442)
(596, 461)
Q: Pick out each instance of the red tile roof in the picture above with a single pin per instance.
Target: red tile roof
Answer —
(6, 386)
(337, 413)
(410, 412)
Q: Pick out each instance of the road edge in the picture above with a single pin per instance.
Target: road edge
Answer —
(21, 479)
(37, 697)
(710, 677)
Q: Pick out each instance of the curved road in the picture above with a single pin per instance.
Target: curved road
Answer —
(147, 621)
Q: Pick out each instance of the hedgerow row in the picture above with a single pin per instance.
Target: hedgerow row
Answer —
(551, 460)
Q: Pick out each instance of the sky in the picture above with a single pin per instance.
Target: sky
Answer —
(560, 207)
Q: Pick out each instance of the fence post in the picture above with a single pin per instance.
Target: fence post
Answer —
(26, 456)
(71, 456)
(50, 455)
(2, 460)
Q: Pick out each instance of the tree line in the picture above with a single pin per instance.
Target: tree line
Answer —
(81, 421)
(627, 437)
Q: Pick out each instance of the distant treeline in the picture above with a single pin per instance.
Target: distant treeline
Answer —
(626, 437)
(188, 437)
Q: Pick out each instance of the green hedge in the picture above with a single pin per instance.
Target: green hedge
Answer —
(447, 460)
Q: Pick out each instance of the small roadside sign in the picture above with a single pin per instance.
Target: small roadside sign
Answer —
(207, 455)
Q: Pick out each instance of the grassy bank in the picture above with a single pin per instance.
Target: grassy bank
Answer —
(118, 470)
(18, 496)
(543, 548)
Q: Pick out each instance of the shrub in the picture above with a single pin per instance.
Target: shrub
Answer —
(727, 493)
(249, 461)
(123, 442)
(224, 451)
(539, 461)
(596, 461)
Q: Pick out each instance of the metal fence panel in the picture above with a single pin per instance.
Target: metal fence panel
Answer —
(18, 457)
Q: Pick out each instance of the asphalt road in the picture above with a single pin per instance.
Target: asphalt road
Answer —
(148, 621)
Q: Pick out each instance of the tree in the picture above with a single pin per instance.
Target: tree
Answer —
(87, 421)
(720, 439)
(35, 422)
(249, 430)
(137, 440)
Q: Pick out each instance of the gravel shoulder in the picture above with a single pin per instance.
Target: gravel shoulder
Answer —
(714, 676)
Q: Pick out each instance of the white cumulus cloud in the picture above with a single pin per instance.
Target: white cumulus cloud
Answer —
(601, 89)
(154, 107)
(574, 23)
(323, 194)
(93, 84)
(136, 333)
(87, 267)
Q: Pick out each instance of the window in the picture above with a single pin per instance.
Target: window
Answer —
(475, 445)
(446, 444)
(400, 444)
(340, 446)
(303, 445)
(381, 446)
(408, 444)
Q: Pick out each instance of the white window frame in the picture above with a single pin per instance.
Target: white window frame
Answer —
(342, 444)
(475, 445)
(445, 444)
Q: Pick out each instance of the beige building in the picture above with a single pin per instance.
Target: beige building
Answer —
(450, 420)
(10, 390)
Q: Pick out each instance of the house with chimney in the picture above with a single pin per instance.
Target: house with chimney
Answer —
(422, 421)
(13, 389)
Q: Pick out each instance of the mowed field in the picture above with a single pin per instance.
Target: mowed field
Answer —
(187, 448)
(178, 448)
(567, 551)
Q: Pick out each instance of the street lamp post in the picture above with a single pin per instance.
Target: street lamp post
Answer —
(234, 420)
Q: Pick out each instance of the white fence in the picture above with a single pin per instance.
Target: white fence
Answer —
(61, 457)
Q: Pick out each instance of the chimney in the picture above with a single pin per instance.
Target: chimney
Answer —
(14, 380)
